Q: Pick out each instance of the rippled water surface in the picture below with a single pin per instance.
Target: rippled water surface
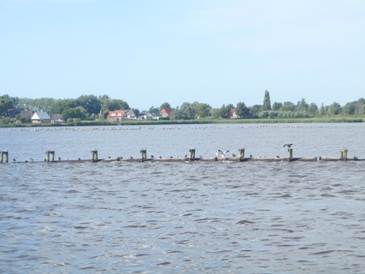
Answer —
(184, 217)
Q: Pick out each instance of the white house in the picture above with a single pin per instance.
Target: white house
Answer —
(40, 117)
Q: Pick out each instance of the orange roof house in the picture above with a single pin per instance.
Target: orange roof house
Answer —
(165, 112)
(115, 115)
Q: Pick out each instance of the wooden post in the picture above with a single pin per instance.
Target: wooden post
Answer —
(4, 154)
(48, 153)
(343, 154)
(241, 154)
(290, 154)
(94, 155)
(144, 154)
(192, 154)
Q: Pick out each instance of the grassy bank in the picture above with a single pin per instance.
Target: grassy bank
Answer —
(333, 119)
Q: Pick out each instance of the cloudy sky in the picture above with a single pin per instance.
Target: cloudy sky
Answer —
(217, 52)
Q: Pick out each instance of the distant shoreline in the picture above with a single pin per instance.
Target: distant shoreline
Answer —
(200, 121)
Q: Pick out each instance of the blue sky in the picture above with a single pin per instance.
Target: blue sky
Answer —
(148, 52)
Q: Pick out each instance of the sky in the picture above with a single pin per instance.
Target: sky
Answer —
(215, 52)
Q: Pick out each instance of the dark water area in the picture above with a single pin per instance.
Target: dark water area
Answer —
(185, 217)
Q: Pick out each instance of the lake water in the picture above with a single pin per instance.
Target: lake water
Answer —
(183, 217)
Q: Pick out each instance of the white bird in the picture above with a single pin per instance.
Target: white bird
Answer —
(221, 154)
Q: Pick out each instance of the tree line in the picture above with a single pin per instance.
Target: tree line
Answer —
(91, 107)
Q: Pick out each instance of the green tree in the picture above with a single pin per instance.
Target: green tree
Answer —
(166, 106)
(267, 103)
(175, 114)
(6, 103)
(349, 108)
(360, 106)
(302, 105)
(90, 103)
(276, 106)
(287, 106)
(154, 111)
(242, 110)
(334, 109)
(75, 112)
(39, 104)
(255, 110)
(313, 109)
(226, 111)
(113, 104)
(136, 112)
(61, 105)
(202, 110)
(187, 111)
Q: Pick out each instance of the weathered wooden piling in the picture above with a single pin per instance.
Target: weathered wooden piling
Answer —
(290, 154)
(94, 155)
(4, 155)
(144, 155)
(192, 154)
(241, 154)
(343, 154)
(48, 154)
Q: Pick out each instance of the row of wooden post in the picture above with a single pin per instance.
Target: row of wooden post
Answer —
(50, 155)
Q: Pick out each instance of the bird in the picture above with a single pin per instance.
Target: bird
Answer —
(287, 145)
(220, 153)
(233, 155)
(59, 158)
(14, 160)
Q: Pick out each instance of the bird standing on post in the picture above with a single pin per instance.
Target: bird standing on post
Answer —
(287, 145)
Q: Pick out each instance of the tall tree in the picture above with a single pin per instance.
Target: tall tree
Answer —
(166, 106)
(59, 106)
(288, 106)
(6, 103)
(302, 105)
(276, 106)
(226, 111)
(334, 108)
(267, 103)
(242, 111)
(202, 110)
(187, 111)
(312, 109)
(75, 112)
(360, 106)
(90, 103)
(113, 104)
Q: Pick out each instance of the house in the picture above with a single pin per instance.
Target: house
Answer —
(26, 114)
(40, 117)
(145, 115)
(11, 113)
(232, 113)
(57, 118)
(116, 115)
(130, 114)
(165, 113)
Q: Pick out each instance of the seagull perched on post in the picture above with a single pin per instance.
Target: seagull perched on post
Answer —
(221, 154)
(287, 145)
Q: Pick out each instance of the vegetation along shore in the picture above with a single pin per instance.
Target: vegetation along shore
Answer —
(90, 110)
